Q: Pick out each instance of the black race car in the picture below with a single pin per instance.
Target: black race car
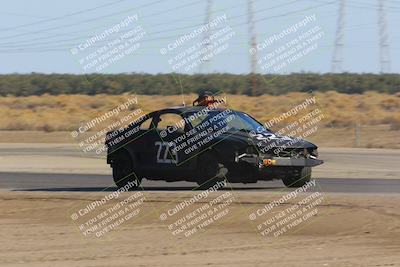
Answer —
(206, 144)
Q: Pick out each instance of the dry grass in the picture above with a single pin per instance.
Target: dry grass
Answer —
(370, 137)
(66, 112)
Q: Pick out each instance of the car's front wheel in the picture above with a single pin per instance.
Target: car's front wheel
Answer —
(210, 172)
(298, 177)
(124, 172)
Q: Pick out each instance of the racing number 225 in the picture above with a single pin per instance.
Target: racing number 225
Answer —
(166, 152)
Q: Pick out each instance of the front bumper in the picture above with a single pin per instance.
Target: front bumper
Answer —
(279, 161)
(300, 162)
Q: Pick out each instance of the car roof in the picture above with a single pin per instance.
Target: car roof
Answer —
(185, 109)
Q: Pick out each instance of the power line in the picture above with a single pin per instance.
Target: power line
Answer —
(167, 37)
(370, 6)
(234, 25)
(162, 31)
(84, 21)
(61, 17)
(97, 27)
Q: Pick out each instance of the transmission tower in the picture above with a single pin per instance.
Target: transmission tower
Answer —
(253, 45)
(337, 59)
(206, 39)
(383, 42)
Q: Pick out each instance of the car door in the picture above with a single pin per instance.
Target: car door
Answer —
(168, 158)
(142, 144)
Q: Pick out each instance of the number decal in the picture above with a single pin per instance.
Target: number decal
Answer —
(269, 136)
(166, 152)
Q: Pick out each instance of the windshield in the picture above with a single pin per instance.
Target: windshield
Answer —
(234, 120)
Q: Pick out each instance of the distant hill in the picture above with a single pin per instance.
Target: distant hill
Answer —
(171, 84)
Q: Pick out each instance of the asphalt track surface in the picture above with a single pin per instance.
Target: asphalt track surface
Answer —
(97, 183)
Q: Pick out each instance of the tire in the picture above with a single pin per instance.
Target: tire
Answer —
(298, 177)
(124, 172)
(211, 172)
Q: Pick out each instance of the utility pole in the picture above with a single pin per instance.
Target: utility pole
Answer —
(383, 42)
(357, 133)
(206, 40)
(337, 59)
(253, 44)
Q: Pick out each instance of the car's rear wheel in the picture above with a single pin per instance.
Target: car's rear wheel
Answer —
(298, 177)
(210, 172)
(124, 172)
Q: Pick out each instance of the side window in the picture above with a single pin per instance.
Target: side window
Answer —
(235, 122)
(171, 120)
(146, 124)
(197, 120)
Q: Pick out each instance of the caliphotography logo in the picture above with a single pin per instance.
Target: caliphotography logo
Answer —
(199, 133)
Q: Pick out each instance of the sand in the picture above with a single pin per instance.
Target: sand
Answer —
(347, 230)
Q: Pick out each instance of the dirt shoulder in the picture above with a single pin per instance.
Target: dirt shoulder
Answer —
(68, 158)
(378, 136)
(360, 230)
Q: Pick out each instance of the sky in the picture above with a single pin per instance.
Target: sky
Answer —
(164, 36)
